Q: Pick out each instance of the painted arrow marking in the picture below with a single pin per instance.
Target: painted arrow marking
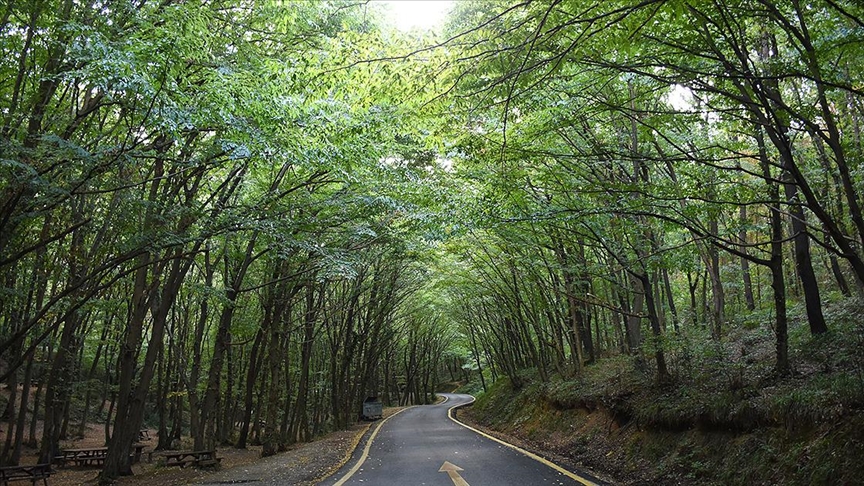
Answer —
(452, 470)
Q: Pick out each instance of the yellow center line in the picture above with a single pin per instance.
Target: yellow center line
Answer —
(365, 454)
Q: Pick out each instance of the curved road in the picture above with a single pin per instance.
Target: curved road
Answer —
(424, 446)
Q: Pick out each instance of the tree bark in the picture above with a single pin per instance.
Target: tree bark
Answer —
(249, 395)
(745, 263)
(778, 283)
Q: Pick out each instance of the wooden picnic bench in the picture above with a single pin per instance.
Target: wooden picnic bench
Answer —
(135, 453)
(195, 458)
(94, 456)
(25, 473)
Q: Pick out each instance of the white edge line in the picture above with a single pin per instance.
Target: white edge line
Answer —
(537, 458)
(365, 454)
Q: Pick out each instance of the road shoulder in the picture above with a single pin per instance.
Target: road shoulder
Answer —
(461, 415)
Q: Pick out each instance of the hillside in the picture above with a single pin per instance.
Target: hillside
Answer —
(726, 419)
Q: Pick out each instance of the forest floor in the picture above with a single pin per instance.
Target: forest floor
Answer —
(302, 464)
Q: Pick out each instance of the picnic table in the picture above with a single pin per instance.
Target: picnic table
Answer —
(94, 456)
(196, 458)
(29, 473)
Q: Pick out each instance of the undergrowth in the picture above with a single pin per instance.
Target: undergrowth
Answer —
(727, 418)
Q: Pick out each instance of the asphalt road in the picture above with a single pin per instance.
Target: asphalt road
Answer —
(423, 446)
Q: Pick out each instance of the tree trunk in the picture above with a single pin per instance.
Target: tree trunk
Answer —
(22, 414)
(57, 391)
(745, 263)
(249, 395)
(196, 422)
(778, 283)
(270, 438)
(233, 281)
(130, 408)
(477, 356)
(670, 299)
(659, 355)
(91, 374)
(803, 260)
(301, 421)
(712, 265)
(634, 319)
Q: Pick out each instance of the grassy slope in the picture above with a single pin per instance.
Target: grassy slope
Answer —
(726, 420)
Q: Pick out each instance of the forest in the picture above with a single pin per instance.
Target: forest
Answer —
(233, 221)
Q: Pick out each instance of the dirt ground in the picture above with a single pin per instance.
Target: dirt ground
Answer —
(319, 458)
(302, 464)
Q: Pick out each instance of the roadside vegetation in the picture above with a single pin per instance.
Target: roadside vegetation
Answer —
(725, 419)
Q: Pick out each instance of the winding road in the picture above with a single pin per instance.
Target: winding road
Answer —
(424, 446)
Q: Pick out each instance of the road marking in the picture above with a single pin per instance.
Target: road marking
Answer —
(537, 458)
(452, 470)
(365, 454)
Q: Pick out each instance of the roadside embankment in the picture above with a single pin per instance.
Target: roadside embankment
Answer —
(726, 418)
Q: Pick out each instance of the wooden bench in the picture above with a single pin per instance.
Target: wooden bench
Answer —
(135, 454)
(25, 473)
(195, 458)
(94, 456)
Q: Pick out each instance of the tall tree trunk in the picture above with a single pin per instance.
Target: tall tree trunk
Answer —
(673, 310)
(120, 441)
(656, 331)
(223, 432)
(301, 420)
(91, 374)
(718, 298)
(233, 280)
(476, 353)
(780, 136)
(15, 458)
(778, 283)
(745, 263)
(130, 409)
(196, 425)
(634, 318)
(37, 404)
(249, 394)
(10, 415)
(60, 379)
(804, 262)
(270, 439)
